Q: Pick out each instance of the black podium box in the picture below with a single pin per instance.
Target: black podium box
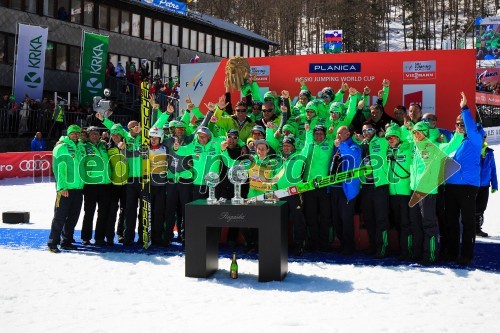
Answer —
(15, 217)
(202, 231)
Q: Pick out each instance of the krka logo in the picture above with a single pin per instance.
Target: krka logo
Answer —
(32, 78)
(94, 85)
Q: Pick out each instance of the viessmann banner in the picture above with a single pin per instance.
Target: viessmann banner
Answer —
(30, 61)
(432, 78)
(93, 68)
(26, 164)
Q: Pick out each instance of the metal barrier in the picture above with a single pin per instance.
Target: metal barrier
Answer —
(12, 124)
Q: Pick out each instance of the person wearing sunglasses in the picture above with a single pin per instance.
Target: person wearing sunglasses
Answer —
(256, 113)
(462, 188)
(268, 115)
(436, 134)
(239, 121)
(375, 190)
(338, 117)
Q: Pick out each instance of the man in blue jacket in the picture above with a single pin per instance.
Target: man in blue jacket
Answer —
(38, 143)
(461, 190)
(346, 156)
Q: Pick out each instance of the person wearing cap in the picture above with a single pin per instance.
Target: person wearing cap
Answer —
(38, 143)
(462, 187)
(275, 141)
(488, 178)
(346, 155)
(256, 113)
(205, 152)
(66, 160)
(425, 177)
(238, 121)
(399, 159)
(326, 97)
(97, 188)
(310, 118)
(158, 170)
(436, 134)
(375, 190)
(318, 149)
(300, 107)
(337, 116)
(119, 175)
(133, 141)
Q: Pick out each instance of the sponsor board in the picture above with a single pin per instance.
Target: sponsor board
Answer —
(26, 164)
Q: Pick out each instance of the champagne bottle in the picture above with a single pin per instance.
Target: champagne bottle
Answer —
(233, 272)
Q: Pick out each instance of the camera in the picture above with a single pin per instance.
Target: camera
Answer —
(104, 106)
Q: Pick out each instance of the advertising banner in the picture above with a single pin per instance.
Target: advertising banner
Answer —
(30, 61)
(488, 76)
(488, 99)
(434, 78)
(93, 66)
(26, 164)
(169, 5)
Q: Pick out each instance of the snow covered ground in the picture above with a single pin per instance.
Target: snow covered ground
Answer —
(136, 292)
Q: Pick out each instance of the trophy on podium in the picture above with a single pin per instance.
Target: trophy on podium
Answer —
(211, 179)
(104, 106)
(237, 175)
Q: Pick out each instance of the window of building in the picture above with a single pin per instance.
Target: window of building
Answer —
(15, 4)
(49, 55)
(166, 33)
(48, 8)
(166, 72)
(103, 17)
(113, 58)
(61, 57)
(136, 25)
(201, 42)
(185, 38)
(74, 59)
(209, 44)
(193, 40)
(252, 52)
(175, 35)
(114, 20)
(31, 6)
(135, 61)
(88, 13)
(4, 3)
(75, 11)
(237, 49)
(157, 31)
(224, 48)
(231, 49)
(147, 27)
(245, 51)
(217, 46)
(10, 49)
(63, 6)
(175, 71)
(2, 47)
(125, 26)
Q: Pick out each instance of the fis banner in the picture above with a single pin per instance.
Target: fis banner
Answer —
(433, 78)
(93, 69)
(30, 61)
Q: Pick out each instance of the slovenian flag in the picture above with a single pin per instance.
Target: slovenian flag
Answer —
(333, 35)
(195, 59)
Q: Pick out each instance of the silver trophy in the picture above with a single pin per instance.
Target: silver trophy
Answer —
(103, 105)
(237, 175)
(211, 179)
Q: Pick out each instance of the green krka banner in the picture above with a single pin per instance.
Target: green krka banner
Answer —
(93, 66)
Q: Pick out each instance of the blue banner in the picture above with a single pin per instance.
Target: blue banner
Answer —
(169, 5)
(335, 67)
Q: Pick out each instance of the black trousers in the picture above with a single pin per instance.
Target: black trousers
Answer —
(117, 203)
(441, 215)
(401, 213)
(342, 212)
(95, 195)
(66, 214)
(179, 195)
(461, 201)
(375, 210)
(158, 207)
(296, 215)
(424, 229)
(318, 218)
(133, 193)
(483, 194)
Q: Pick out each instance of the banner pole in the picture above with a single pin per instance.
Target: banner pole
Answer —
(81, 62)
(15, 59)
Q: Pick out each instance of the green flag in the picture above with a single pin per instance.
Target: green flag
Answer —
(93, 66)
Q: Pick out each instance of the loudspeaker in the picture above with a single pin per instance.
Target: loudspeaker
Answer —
(15, 217)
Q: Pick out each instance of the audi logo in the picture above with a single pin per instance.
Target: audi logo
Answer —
(32, 165)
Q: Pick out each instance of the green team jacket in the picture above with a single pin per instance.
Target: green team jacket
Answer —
(324, 108)
(319, 155)
(118, 165)
(96, 163)
(134, 160)
(343, 120)
(299, 125)
(230, 122)
(277, 144)
(67, 164)
(206, 158)
(431, 155)
(399, 161)
(378, 160)
(292, 169)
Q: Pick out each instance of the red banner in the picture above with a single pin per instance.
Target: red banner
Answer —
(437, 76)
(26, 164)
(489, 99)
(488, 75)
